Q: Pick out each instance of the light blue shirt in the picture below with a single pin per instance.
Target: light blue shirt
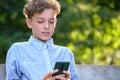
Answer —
(33, 59)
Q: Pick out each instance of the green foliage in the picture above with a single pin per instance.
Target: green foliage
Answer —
(90, 28)
(91, 31)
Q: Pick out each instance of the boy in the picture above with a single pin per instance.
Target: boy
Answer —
(35, 59)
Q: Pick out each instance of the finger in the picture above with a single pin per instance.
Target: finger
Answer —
(67, 74)
(54, 71)
(60, 77)
(49, 75)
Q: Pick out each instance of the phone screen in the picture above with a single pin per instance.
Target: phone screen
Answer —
(61, 66)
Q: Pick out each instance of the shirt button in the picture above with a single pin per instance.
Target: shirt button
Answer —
(32, 65)
(39, 48)
(48, 62)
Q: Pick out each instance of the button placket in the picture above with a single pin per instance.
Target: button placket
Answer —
(47, 58)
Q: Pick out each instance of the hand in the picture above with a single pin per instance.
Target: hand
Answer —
(48, 76)
(65, 76)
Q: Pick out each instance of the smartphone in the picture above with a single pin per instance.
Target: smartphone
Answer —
(61, 66)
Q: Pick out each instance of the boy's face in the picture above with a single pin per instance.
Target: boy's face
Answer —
(43, 24)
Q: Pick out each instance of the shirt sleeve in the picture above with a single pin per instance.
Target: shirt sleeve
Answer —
(73, 71)
(12, 69)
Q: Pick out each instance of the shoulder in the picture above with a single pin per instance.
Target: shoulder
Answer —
(18, 44)
(63, 48)
(15, 48)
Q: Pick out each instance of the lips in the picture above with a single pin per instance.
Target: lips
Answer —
(45, 33)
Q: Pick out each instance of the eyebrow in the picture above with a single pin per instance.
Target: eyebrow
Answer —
(43, 18)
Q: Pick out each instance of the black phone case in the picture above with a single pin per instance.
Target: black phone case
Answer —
(61, 66)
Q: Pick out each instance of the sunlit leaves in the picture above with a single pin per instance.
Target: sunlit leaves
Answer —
(93, 33)
(97, 20)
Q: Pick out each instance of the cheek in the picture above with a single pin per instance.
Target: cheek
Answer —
(37, 26)
(36, 29)
(52, 28)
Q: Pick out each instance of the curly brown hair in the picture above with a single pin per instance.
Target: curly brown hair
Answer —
(38, 6)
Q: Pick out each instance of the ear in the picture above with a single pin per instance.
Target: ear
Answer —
(28, 22)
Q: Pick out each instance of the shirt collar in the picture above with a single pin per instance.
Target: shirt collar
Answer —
(41, 45)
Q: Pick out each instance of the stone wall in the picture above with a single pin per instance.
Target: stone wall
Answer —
(87, 72)
(2, 72)
(97, 72)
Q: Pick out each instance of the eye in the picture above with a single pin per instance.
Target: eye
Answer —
(52, 21)
(40, 21)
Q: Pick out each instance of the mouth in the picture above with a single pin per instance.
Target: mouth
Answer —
(45, 33)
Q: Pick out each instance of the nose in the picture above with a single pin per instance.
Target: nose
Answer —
(46, 26)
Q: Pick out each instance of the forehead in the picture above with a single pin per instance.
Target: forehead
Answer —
(47, 13)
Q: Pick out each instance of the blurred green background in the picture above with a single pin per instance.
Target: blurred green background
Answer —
(90, 28)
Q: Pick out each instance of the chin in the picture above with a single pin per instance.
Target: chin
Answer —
(45, 39)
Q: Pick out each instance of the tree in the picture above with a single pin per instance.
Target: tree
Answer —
(90, 28)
